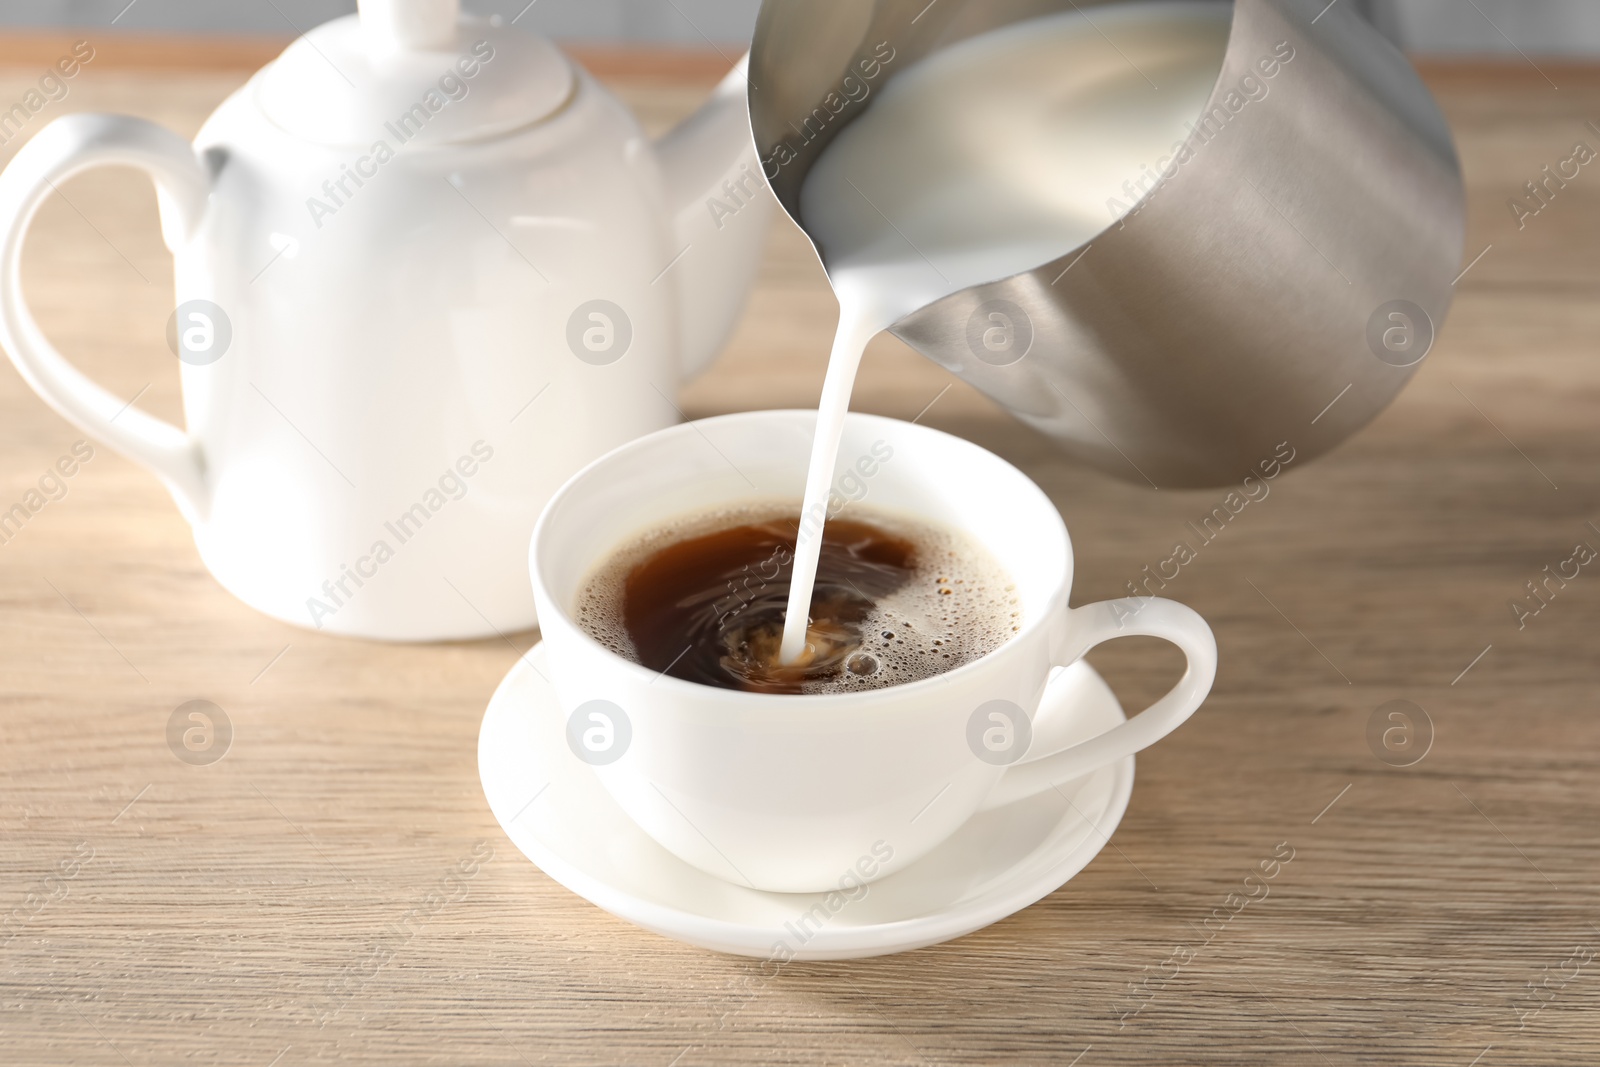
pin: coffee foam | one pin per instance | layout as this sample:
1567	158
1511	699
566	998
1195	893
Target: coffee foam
958	606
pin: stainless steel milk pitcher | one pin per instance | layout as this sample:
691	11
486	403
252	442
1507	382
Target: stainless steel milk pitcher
1280	284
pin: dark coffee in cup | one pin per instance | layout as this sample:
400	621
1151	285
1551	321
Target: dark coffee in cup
896	600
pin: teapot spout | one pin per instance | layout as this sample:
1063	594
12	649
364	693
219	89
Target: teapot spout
721	210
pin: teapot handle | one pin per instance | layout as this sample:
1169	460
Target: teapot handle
66	147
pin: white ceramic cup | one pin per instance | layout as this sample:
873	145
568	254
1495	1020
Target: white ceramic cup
814	793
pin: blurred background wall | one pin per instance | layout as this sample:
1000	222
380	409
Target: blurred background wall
1493	27
1465	27
686	22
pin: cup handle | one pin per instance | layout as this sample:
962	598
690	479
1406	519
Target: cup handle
64	148
1095	624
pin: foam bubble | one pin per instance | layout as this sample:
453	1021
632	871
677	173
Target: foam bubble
958	606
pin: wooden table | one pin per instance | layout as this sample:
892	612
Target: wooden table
1444	913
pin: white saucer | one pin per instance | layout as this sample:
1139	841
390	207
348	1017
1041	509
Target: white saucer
555	810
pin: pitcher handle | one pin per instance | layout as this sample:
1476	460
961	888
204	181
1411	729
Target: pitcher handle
67	147
1096	624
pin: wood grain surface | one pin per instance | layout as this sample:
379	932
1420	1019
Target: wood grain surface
254	911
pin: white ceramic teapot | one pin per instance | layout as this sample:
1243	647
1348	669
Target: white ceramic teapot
426	269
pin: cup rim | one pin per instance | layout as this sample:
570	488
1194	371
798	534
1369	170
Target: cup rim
813	702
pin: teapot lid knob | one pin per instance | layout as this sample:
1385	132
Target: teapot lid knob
406	25
416	71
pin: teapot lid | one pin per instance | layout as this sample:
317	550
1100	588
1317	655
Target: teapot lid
412	71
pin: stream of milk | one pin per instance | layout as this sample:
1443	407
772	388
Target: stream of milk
991	158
